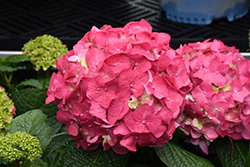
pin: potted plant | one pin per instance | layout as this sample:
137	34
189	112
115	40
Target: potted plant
203	12
123	97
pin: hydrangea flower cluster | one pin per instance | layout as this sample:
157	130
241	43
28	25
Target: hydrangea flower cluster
44	51
122	87
19	145
125	88
219	102
7	109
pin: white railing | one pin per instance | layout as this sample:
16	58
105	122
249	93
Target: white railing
8	53
5	54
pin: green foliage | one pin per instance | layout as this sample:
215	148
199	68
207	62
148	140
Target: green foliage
6	110
247	160
16	59
19	145
44	51
8	66
62	151
38	162
11	63
173	155
35	123
29	99
30	82
34	98
233	153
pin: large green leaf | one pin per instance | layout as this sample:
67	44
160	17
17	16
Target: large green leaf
62	151
34	98
31	98
6	68
38	162
50	110
17	58
232	154
247	162
30	82
54	124
3	161
35	123
44	81
10	63
174	156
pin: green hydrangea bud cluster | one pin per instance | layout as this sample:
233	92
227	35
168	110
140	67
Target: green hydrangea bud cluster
44	51
7	109
19	145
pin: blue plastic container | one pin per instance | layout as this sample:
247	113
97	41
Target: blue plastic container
203	11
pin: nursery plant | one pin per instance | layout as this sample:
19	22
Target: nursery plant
122	97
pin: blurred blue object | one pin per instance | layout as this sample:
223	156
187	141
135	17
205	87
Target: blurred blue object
203	12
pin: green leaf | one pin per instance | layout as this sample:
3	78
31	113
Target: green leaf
229	156
38	162
17	58
6	68
50	110
35	123
173	155
30	82
247	162
33	98
44	82
55	125
29	99
3	161
62	151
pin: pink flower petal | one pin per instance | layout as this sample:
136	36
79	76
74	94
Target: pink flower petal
118	62
72	129
94	59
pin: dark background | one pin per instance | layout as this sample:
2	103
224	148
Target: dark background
21	20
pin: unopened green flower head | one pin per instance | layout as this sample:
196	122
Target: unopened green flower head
19	145
44	51
7	109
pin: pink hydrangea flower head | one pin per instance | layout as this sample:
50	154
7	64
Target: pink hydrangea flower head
120	87
218	102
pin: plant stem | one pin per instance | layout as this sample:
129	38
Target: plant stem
17	161
8	81
47	73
